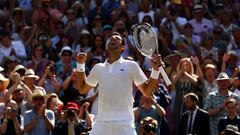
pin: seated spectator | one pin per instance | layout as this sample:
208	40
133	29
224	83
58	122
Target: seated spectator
9	47
38	120
71	124
232	118
12	122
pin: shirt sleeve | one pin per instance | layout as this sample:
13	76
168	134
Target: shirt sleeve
51	117
138	75
92	78
208	103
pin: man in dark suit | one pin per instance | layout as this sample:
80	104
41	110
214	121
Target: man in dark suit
194	121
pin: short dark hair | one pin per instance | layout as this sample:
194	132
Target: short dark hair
118	34
192	96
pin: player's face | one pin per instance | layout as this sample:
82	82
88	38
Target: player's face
115	43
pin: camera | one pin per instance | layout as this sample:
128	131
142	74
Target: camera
150	128
13	110
70	113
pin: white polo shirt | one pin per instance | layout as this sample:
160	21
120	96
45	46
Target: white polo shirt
115	89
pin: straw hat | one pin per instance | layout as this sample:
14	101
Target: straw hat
175	53
222	76
37	93
4	80
232	128
30	74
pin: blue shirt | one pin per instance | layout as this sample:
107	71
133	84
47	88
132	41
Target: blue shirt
40	128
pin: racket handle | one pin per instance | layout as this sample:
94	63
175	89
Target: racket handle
165	77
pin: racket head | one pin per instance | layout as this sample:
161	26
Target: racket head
145	39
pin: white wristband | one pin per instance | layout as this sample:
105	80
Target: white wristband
80	67
155	74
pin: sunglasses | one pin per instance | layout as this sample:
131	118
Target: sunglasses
66	54
38	99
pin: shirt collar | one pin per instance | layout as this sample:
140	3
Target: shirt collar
120	60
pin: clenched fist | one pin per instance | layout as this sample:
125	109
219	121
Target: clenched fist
81	57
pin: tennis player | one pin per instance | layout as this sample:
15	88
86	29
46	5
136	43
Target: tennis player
114	78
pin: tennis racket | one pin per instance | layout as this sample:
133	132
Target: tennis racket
146	42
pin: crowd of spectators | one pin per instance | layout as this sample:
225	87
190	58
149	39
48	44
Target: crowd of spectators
199	41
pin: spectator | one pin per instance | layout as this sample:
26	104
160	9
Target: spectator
215	101
195	120
209	83
50	81
148	126
207	51
232	118
65	65
200	24
3	88
38	120
30	79
9	47
230	130
20	93
12	122
70	88
71	124
185	81
148	108
38	61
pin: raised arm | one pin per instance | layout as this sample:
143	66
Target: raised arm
82	86
148	87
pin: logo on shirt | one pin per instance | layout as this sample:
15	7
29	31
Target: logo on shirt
122	69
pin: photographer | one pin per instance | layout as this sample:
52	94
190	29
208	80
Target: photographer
71	124
148	126
49	80
11	123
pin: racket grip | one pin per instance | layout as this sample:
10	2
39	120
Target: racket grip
165	77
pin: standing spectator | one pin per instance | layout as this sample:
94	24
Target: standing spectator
9	47
71	124
214	103
69	87
148	108
66	63
38	61
196	120
12	122
116	100
38	120
185	81
50	81
232	118
209	83
200	24
30	79
174	22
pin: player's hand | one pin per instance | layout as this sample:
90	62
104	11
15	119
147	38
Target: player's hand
156	62
81	57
